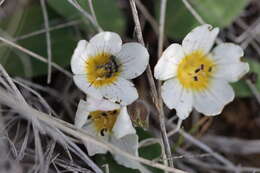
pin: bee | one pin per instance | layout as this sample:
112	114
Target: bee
110	67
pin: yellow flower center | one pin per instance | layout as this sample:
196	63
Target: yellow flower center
195	71
103	120
102	69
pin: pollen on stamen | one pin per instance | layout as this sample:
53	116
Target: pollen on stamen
191	71
104	121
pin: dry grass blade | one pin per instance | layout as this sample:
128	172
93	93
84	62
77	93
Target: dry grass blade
75	4
148	16
48	38
232	145
42	31
49	124
204	147
158	103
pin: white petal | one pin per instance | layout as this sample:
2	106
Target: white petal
81	114
213	100
229	65
123	125
122	91
94	104
167	65
133	58
108	42
91	147
79	57
129	144
85	86
200	38
175	96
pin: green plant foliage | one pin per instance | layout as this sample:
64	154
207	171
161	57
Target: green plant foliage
63	44
108	160
221	13
63	40
108	13
150	152
241	88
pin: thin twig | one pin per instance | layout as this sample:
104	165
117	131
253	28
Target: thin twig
1	2
211	166
193	12
141	40
163	6
178	127
138	28
24	109
38	57
60	26
161	27
48	39
90	3
254	90
149	141
75	4
148	16
152	84
204	147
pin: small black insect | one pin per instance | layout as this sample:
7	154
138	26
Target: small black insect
202	66
104	114
197	70
102	132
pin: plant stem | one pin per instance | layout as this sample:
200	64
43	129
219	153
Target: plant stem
156	99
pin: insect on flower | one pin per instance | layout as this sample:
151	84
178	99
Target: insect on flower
103	67
109	122
196	77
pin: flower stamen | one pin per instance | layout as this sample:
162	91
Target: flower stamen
103	121
195	71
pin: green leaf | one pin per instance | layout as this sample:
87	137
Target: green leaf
63	44
107	159
149	152
179	20
108	13
221	13
241	88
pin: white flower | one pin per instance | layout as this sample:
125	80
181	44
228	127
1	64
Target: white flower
196	77
103	67
109	122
